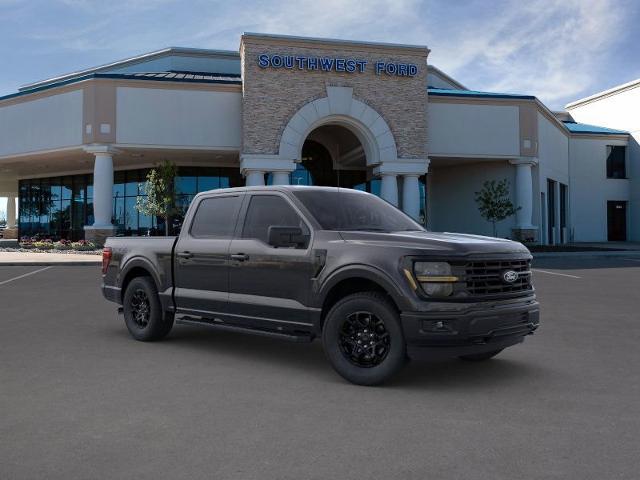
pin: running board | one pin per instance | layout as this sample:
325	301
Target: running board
187	320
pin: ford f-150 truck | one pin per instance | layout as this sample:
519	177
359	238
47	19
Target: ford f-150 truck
304	262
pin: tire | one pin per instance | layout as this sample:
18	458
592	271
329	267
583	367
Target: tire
480	357
347	322
143	314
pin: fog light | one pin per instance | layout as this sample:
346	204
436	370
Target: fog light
438	326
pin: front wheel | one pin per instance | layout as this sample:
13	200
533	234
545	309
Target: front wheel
143	314
363	340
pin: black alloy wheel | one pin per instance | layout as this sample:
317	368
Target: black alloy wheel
140	308
364	340
143	313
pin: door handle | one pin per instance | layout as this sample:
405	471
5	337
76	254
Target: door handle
184	255
240	257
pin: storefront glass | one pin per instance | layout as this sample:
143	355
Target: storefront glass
60	207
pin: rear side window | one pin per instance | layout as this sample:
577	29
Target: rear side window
270	210
215	217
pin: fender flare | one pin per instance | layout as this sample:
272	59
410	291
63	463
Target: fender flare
139	262
367	272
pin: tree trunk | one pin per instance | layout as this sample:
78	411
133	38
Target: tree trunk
495	229
166	226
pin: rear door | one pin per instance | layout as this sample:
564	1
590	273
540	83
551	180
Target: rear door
202	256
269	287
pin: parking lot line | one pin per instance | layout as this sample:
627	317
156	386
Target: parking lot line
25	275
555	273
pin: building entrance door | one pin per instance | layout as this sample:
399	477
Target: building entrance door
617	221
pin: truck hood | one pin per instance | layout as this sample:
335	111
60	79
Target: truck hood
436	243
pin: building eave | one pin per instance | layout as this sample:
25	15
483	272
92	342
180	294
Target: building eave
603	94
131	61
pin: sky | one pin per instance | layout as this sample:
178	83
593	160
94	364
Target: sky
558	50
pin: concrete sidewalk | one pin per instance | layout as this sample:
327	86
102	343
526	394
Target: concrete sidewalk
37	259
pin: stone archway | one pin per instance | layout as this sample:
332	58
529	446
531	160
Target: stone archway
340	108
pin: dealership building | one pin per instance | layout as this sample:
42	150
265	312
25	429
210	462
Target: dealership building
75	149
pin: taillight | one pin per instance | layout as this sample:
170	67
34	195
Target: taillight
106	259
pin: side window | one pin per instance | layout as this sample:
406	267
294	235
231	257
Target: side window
215	217
270	210
616	161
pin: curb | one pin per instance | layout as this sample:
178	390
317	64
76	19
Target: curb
50	264
597	254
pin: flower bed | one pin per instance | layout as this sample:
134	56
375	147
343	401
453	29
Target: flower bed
40	245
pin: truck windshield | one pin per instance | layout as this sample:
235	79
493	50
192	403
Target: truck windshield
346	209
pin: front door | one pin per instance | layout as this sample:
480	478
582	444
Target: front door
268	286
202	256
617	221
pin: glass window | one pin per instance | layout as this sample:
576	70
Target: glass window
67	188
208	183
269	210
131	183
118	184
216	217
186	185
352	210
616	161
130	216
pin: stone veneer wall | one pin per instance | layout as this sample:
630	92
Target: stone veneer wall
271	96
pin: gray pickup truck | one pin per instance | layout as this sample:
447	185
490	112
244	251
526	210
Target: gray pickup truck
303	262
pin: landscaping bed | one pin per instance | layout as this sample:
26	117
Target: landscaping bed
51	246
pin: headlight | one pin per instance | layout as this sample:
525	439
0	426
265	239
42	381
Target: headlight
435	278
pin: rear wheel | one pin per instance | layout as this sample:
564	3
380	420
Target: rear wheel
363	340
480	357
143	314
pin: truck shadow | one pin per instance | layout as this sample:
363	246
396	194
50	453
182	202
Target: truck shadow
309	360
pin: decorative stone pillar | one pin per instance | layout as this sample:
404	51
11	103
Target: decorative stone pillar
411	195
524	230
389	188
280	178
102	194
254	178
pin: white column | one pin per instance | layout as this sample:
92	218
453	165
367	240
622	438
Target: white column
389	188
280	178
524	192
254	178
102	190
411	196
11	212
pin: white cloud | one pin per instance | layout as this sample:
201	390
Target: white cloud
555	50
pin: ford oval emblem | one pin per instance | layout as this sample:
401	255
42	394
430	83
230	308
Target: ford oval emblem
509	276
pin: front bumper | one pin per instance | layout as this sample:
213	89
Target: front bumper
479	328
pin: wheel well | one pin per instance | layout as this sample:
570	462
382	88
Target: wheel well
131	274
349	286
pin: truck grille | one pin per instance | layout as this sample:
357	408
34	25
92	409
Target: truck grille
486	277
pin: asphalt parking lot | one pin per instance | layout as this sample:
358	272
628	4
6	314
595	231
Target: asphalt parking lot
80	399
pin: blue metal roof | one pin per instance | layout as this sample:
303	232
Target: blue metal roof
445	92
188	77
575	127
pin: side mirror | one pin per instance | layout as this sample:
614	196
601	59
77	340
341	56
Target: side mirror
286	236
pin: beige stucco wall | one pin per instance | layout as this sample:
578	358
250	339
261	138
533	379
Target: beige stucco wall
272	96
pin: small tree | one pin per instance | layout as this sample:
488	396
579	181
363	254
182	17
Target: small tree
160	200
494	203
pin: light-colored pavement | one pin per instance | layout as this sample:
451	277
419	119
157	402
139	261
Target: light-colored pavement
80	399
33	258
